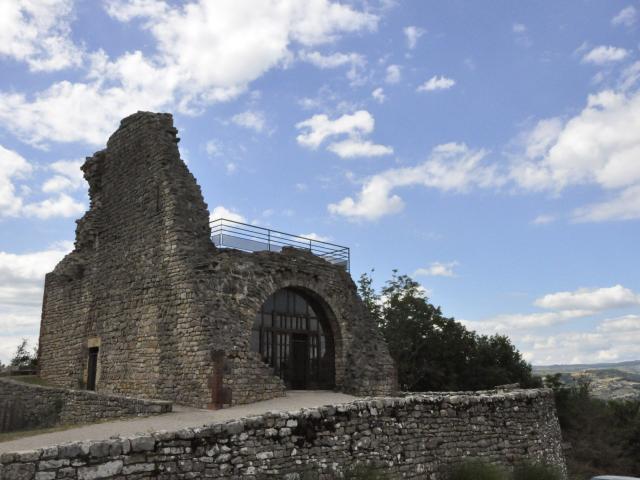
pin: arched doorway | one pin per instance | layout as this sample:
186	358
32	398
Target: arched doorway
294	337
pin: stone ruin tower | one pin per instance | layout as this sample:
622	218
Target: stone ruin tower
146	305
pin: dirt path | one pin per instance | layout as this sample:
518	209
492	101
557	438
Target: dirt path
181	417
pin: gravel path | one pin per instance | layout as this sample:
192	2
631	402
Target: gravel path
181	417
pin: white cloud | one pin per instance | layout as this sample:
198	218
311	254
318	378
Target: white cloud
413	34
626	323
126	11
604	54
436	83
319	127
223	212
253	120
518	28
598	146
12	166
356	62
521	33
624	206
38	33
393	74
378	95
451	167
612	338
21	291
57	183
204	53
334	60
581	347
627	16
630	77
354	147
315	236
592	299
524	321
213	148
68	176
543	219
437	269
61	206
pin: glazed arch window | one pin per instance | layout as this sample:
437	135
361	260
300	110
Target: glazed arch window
292	335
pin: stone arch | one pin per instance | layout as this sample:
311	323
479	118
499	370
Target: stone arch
324	306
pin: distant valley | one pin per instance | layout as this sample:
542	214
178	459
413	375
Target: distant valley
608	380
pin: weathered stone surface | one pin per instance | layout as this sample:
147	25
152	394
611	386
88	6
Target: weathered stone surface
104	470
142	444
25	406
146	286
409	437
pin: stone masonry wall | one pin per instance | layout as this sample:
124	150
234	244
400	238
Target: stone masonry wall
418	436
146	285
25	406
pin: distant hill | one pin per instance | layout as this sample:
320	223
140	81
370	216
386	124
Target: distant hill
633	366
608	380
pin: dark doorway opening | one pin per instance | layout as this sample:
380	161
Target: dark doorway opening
299	357
93	368
293	336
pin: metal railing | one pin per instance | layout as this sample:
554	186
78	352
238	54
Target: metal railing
227	233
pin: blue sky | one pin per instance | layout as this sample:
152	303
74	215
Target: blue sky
489	149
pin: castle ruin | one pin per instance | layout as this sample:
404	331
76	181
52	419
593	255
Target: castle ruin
146	305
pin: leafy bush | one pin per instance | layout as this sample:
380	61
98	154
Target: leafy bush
536	471
477	470
23	358
604	434
434	352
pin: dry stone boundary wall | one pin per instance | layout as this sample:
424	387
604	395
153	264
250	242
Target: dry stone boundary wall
418	436
24	406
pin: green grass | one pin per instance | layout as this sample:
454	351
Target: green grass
477	470
536	471
481	470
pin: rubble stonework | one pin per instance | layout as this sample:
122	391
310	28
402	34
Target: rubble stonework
420	436
166	309
24	406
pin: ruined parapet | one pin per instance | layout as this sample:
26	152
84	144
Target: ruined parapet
421	436
145	299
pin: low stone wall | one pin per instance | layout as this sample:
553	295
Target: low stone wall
418	436
24	406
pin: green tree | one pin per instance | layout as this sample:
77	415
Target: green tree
434	352
23	358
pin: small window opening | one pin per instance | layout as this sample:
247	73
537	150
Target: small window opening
93	368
